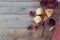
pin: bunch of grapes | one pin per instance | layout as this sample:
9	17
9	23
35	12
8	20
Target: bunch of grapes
49	3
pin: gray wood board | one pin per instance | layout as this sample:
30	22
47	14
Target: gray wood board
16	8
19	0
14	17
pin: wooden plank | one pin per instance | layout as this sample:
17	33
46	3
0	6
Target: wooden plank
21	8
15	21
17	8
22	34
14	18
19	0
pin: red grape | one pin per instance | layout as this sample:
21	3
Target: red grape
35	27
52	5
43	2
30	27
32	13
51	22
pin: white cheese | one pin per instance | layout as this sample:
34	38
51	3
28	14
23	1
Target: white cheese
39	11
37	19
49	12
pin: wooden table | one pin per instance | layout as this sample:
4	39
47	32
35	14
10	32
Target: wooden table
14	16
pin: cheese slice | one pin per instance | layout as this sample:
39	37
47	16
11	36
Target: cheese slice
37	19
49	12
39	11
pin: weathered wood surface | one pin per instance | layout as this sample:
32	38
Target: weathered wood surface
14	18
19	0
18	8
15	14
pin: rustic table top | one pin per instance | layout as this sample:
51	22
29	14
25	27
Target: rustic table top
14	18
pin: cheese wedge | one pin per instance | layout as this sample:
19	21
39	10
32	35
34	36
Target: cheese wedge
39	11
49	12
37	19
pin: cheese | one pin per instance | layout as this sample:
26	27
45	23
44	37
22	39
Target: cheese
37	19
39	11
49	12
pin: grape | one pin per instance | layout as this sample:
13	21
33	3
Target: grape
51	5
43	2
51	22
32	13
30	27
36	27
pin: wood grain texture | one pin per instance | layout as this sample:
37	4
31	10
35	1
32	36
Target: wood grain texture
15	21
17	8
14	18
16	14
19	0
